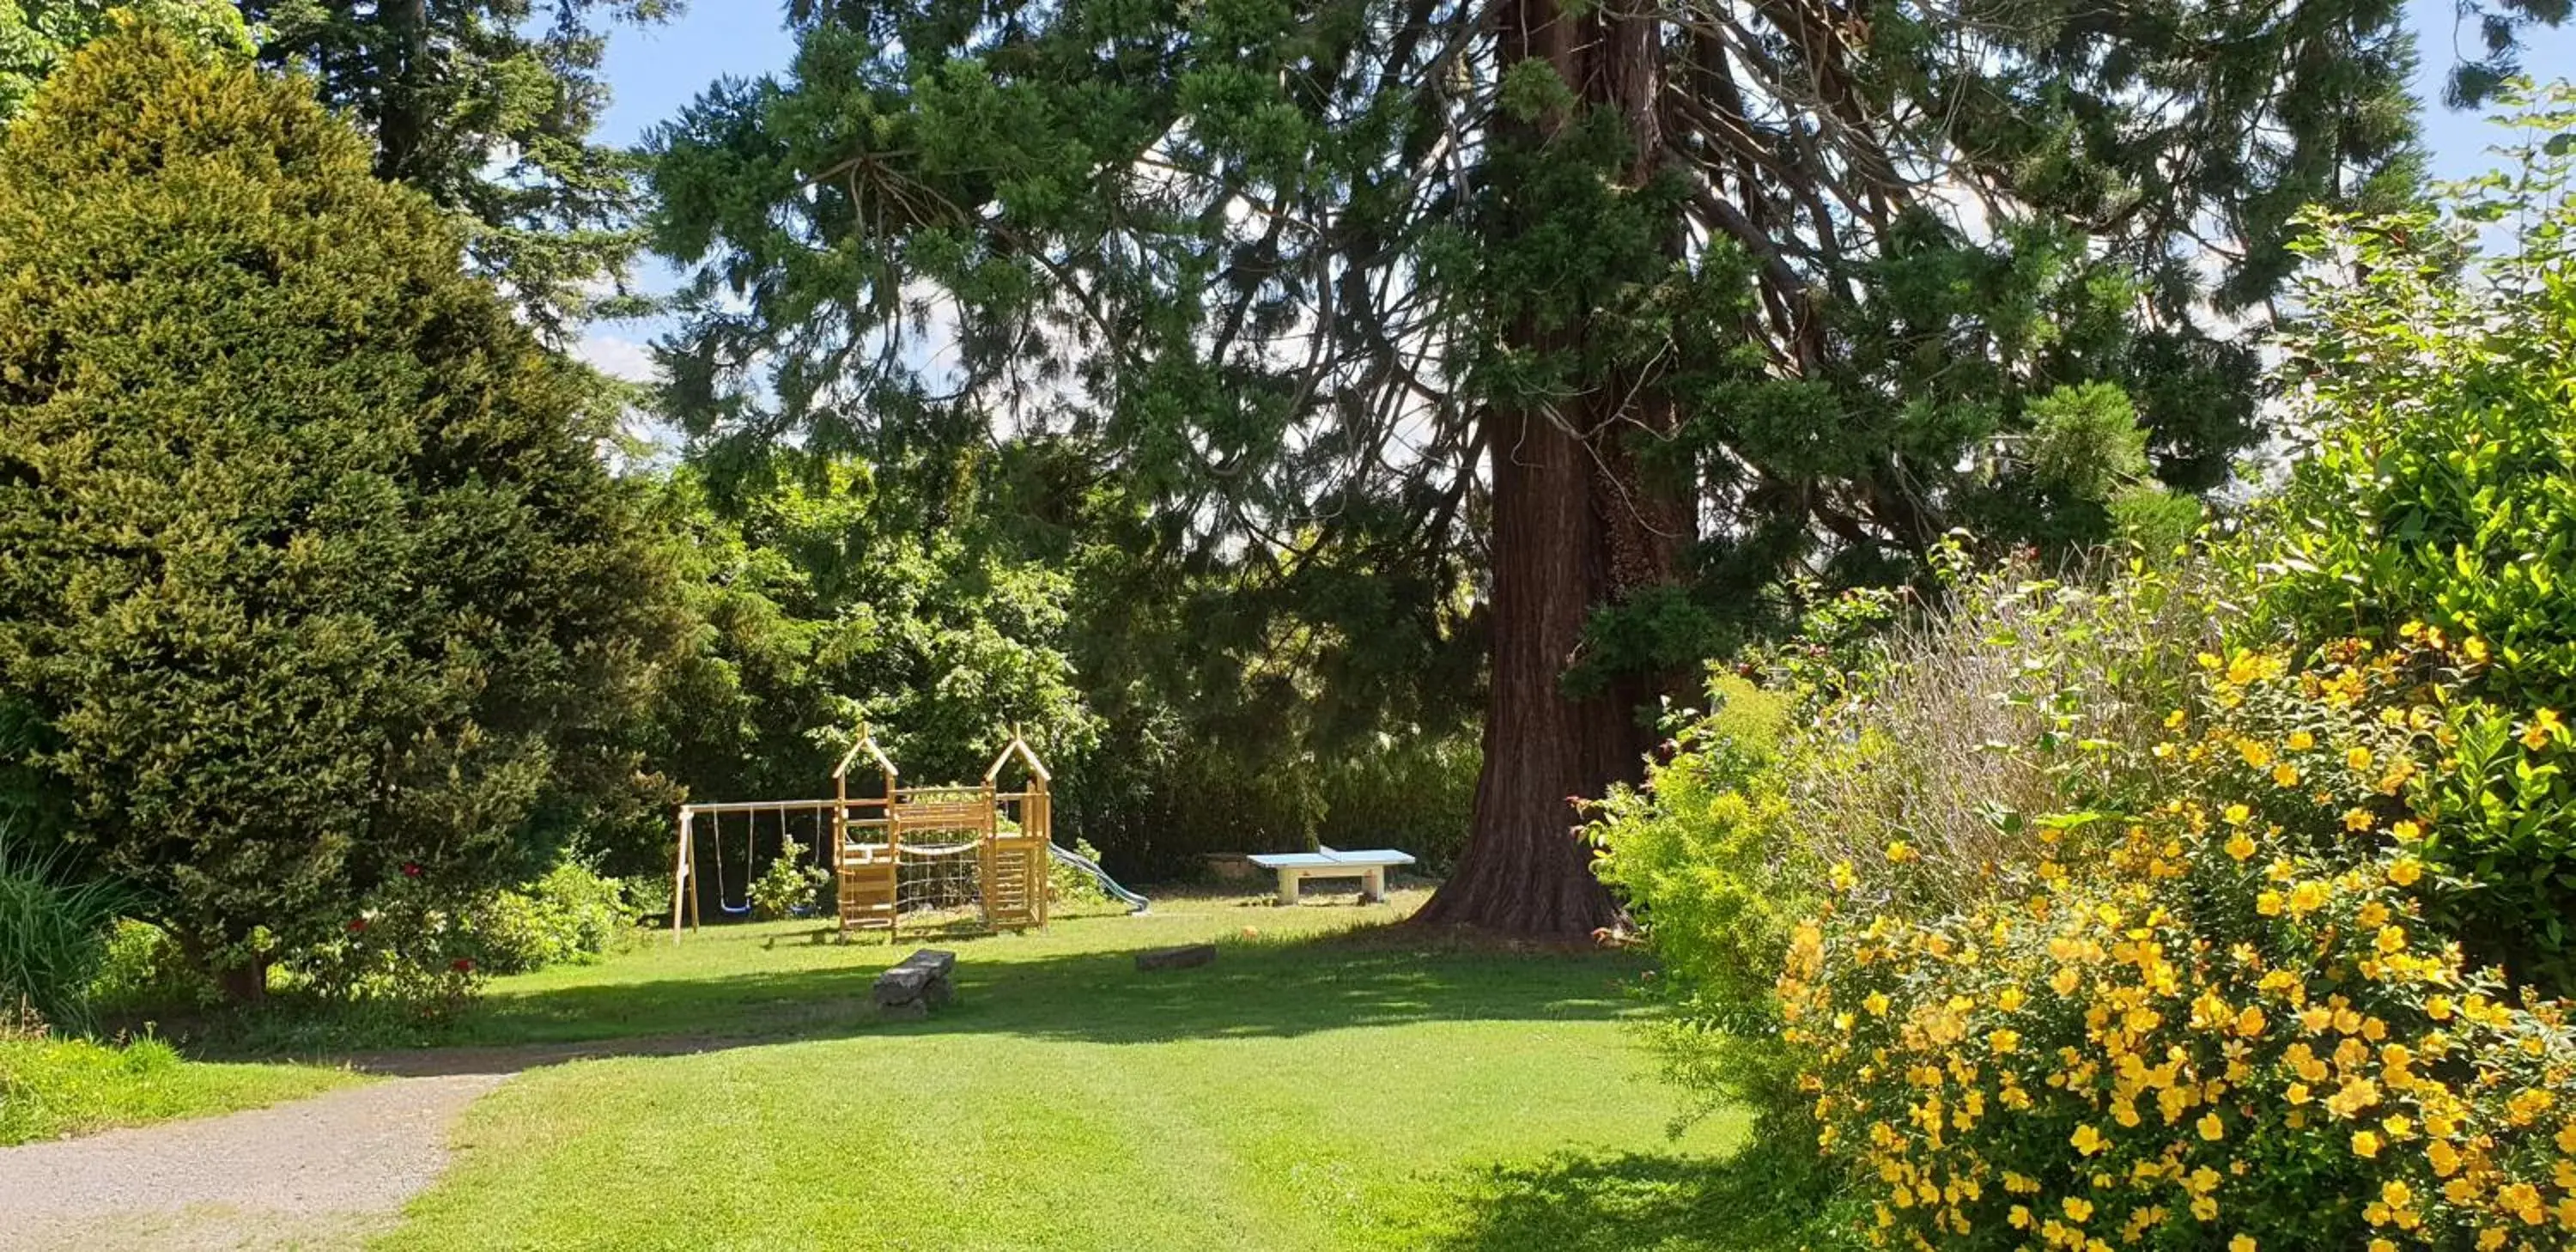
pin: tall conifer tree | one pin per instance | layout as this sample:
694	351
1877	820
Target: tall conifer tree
1632	317
312	578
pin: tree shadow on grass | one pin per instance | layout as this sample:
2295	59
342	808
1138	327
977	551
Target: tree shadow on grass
1256	989
1632	1202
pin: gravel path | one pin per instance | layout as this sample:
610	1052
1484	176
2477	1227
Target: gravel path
318	1173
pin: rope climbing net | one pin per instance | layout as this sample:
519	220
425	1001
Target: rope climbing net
938	878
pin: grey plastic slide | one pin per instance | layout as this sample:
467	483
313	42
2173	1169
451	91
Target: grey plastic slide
1134	902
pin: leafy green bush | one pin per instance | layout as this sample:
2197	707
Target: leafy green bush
53	934
1711	869
571	915
2440	502
1415	792
789	886
647	897
1067	885
144	973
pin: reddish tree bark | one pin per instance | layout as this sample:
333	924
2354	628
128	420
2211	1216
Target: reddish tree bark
1575	524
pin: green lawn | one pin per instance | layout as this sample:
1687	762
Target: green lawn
1319	1087
55	1087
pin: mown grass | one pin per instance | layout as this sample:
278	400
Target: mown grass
55	1087
1326	1084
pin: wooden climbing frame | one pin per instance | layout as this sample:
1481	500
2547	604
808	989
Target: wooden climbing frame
1009	832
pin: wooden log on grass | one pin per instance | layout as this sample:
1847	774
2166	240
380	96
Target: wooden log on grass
1189	957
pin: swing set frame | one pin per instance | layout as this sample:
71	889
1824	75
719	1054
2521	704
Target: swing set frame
1012	831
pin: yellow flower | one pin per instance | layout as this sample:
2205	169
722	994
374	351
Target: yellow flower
2476	648
2365	1143
2285	775
2087	1140
2077	1208
2445	1158
2003	1041
2405	870
2065	981
1900	852
2358	760
2543	724
2241	1243
2357	819
2238	814
1876	1004
2210	1127
1842	876
2301	741
2256	753
2268	904
2406	831
2240	846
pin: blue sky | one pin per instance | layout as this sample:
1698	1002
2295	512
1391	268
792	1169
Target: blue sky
655	72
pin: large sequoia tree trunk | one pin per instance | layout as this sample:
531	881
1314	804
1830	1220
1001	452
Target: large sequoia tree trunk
1575	524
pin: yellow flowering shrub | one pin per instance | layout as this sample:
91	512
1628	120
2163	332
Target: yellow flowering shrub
2211	1014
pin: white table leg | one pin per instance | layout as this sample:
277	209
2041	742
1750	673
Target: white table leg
1373	886
1288	879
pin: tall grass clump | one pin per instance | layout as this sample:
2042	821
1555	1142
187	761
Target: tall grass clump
53	934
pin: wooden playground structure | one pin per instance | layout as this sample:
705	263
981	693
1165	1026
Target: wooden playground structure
916	847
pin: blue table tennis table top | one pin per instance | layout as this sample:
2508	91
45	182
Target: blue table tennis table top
1328	857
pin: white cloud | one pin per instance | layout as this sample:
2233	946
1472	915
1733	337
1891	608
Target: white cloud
618	358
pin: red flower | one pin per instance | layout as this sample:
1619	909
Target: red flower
411	869
357	924
462	965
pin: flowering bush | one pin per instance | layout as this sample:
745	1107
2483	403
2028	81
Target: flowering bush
2217	1019
408	946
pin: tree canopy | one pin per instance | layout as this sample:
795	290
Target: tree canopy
1630	321
487	107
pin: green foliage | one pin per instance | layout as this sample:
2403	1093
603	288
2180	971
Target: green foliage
788	886
1414	792
570	915
1067	885
53	936
35	35
2439	503
1162	239
50	1088
315	582
647	897
1707	858
144	976
826	596
486	107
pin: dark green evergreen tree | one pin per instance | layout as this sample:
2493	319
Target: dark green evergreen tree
1628	319
311	575
486	106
